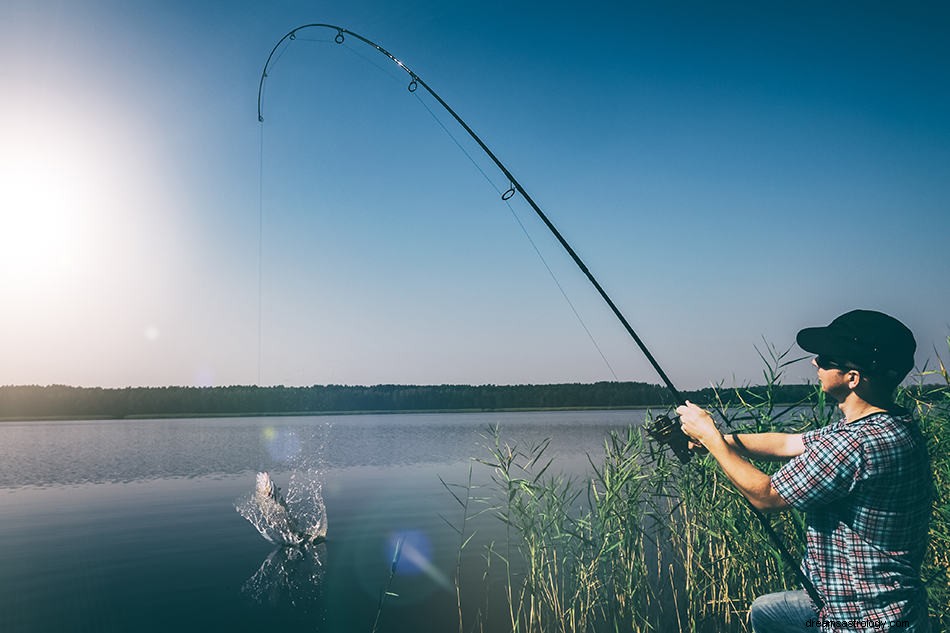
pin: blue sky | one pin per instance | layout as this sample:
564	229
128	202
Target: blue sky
730	173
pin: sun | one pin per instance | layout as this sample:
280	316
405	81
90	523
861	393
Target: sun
44	197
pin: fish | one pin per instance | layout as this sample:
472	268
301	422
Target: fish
267	489
279	524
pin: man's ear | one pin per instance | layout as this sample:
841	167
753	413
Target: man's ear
854	378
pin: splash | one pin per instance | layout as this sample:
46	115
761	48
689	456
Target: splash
296	519
291	575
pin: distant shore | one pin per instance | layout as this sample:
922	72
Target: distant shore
302	414
58	402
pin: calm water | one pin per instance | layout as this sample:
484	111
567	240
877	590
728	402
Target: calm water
131	525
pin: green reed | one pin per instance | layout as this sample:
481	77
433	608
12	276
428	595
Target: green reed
648	544
572	553
931	402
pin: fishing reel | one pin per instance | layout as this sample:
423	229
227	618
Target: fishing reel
667	432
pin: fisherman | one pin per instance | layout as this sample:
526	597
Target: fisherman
864	482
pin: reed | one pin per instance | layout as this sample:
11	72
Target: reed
572	555
931	401
648	544
387	591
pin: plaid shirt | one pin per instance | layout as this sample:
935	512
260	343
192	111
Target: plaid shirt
866	487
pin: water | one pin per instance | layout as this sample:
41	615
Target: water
132	525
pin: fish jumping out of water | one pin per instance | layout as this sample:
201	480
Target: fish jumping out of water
267	489
274	518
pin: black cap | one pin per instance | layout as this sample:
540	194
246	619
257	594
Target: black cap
865	339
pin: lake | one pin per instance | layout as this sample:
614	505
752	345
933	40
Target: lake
125	525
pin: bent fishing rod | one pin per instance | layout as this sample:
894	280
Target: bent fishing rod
664	430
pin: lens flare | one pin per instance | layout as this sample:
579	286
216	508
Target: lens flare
415	556
282	445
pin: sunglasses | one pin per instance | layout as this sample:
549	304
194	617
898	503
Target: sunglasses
828	363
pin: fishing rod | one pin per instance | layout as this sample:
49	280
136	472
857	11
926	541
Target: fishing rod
664	430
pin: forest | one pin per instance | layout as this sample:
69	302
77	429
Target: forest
59	401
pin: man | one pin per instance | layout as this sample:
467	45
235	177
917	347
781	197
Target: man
864	482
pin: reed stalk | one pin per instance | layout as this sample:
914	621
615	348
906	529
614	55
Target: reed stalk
387	591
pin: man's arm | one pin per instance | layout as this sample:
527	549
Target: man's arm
768	446
755	485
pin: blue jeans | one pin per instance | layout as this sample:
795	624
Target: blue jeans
782	612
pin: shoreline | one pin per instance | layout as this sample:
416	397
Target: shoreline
301	414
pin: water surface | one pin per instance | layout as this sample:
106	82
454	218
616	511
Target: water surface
131	525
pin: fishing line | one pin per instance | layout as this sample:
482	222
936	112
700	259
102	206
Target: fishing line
260	242
260	223
524	230
260	259
670	427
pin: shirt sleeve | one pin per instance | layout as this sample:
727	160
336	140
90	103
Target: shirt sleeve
828	470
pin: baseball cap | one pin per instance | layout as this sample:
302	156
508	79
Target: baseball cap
868	340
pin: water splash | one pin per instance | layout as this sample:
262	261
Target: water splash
291	575
299	516
296	519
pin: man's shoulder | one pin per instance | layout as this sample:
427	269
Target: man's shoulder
893	421
883	426
889	440
890	432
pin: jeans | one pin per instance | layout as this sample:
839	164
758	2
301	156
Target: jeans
782	612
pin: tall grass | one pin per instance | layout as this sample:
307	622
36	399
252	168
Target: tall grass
566	569
648	544
932	405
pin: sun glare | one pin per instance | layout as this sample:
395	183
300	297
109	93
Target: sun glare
45	195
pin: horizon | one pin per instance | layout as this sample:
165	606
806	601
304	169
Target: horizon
445	384
908	382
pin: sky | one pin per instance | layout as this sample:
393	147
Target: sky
730	173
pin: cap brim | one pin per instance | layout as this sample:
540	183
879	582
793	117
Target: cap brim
818	340
825	341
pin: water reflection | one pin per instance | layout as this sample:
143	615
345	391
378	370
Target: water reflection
290	576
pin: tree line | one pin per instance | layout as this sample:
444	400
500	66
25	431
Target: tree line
59	401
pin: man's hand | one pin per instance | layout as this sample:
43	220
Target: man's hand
755	485
697	424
